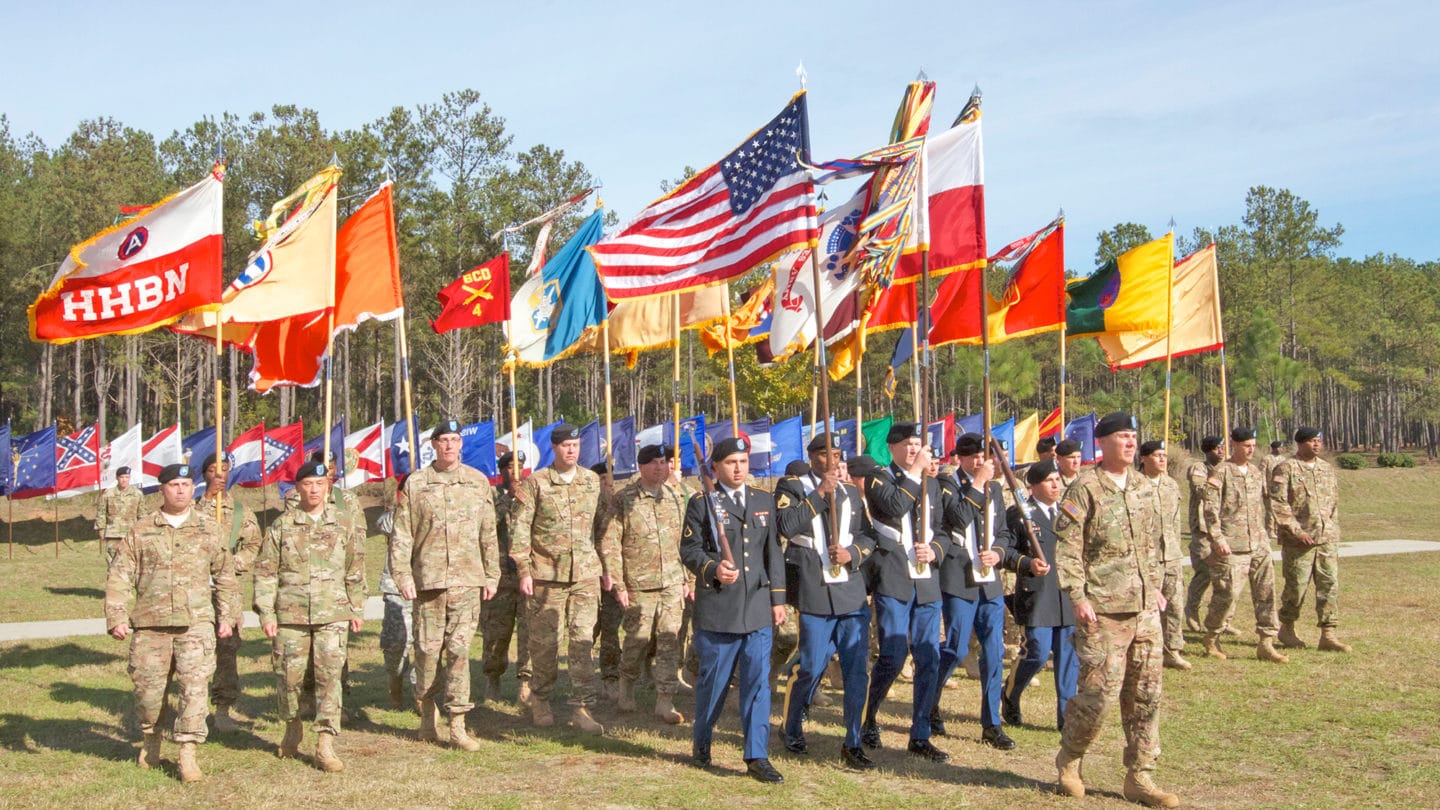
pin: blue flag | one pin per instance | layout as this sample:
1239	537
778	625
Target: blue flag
7	461
974	423
844	429
542	441
478	448
787	444
34	457
196	448
1005	434
623	435
758	432
664	433
398	447
1082	429
337	446
592	444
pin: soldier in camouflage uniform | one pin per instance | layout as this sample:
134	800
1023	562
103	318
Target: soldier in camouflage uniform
649	514
170	577
444	558
504	616
1108	557
553	545
396	630
120	507
1196	475
241	535
1268	464
1237	547
310	595
1304	499
611	614
1156	464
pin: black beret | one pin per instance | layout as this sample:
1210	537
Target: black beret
1277	444
969	444
209	462
564	433
173	471
1039	471
650	452
797	467
823	441
902	431
1242	434
1114	423
1305	434
1210	443
1146	448
599	468
729	447
1068	447
507	457
861	466
312	469
445	426
123	471
1045	445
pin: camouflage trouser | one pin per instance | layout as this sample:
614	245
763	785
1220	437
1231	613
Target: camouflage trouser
1300	565
654	615
1120	657
225	688
690	658
607	635
1172	618
1199	580
785	641
291	656
1228	576
502	618
445	622
575	605
396	636
192	652
112	548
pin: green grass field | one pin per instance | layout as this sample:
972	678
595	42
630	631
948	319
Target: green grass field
1324	731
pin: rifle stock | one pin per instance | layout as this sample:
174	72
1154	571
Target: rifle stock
1021	499
707	486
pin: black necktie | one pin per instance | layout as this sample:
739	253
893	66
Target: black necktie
735	499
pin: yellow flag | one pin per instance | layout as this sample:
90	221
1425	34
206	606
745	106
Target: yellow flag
1127	294
1196	318
1027	435
649	323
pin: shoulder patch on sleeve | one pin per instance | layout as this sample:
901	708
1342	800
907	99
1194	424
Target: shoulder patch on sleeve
783	502
688	531
1213	481
1279	479
1069	508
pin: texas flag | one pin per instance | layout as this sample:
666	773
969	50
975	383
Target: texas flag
364	456
77	462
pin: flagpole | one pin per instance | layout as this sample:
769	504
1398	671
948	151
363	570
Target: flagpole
219	378
607	456
834	499
1224	376
915	351
859	391
56	501
514	413
922	392
730	359
414	440
1063	324
675	383
987	415
1169	328
815	375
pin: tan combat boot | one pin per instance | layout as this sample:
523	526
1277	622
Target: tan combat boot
1212	646
523	696
397	692
150	751
1287	637
459	737
821	699
1192	623
325	758
429	718
540	713
1069	783
290	743
625	695
1173	660
1265	651
834	675
1139	788
665	710
972	667
582	720
189	769
1330	643
222	721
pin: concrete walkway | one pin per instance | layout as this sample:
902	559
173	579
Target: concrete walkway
375	609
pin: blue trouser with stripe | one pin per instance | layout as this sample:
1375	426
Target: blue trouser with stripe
821	637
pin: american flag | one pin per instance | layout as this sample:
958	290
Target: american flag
753	204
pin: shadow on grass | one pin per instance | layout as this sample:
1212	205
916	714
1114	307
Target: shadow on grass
88	593
38	532
29	735
101	697
24	656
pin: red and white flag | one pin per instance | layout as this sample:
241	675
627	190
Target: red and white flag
365	456
77	462
125	450
952	225
158	452
755	203
142	274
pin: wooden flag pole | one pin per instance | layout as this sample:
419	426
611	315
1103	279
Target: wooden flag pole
987	416
915	358
815	375
1169	328
833	502
607	457
1224	376
330	333
922	394
1063	324
56	502
219	383
730	359
675	385
859	387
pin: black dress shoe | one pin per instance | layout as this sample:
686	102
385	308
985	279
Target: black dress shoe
937	725
762	771
1010	712
700	757
855	759
923	748
995	737
797	745
870	735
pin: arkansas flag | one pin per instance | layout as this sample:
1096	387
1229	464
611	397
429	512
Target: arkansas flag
478	296
77	462
141	274
284	452
365	456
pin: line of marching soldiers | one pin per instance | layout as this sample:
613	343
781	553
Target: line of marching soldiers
902	547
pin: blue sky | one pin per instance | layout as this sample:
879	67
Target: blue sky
1117	111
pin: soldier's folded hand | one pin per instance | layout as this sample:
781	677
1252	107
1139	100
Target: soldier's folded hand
923	553
840	555
622	597
269	629
1039	567
121	631
990	558
727	573
224	631
356	624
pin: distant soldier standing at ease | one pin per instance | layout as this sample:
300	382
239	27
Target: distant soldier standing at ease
1156	464
1109	561
503	617
168	578
120	507
310	594
1304	499
1067	461
444	558
1195	476
240	534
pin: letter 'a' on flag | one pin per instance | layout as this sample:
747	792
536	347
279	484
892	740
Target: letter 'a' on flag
1195	325
479	296
1130	293
746	209
141	274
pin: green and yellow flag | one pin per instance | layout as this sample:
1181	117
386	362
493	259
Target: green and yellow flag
1129	293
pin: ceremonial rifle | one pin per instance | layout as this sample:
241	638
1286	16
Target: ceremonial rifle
1022	500
715	512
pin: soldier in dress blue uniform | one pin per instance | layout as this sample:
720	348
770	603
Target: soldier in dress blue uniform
976	606
1040	606
829	591
736	603
905	581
